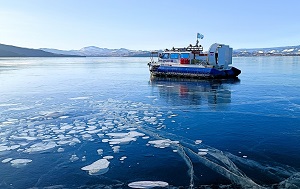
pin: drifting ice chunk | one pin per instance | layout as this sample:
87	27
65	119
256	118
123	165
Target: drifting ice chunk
122	135
98	167
74	158
108	157
198	141
162	143
202	153
20	162
123	158
7	148
72	132
117	135
23	138
80	98
203	150
116	149
39	147
148	184
74	141
100	151
132	112
63	117
87	137
135	134
121	140
90	128
66	127
60	150
150	96
6	160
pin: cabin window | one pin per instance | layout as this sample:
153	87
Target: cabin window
165	56
184	55
174	55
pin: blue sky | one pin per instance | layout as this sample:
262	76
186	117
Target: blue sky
148	24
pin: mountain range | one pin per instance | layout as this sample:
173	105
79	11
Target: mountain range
13	51
93	51
96	51
273	51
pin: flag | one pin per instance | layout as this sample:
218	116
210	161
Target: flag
200	36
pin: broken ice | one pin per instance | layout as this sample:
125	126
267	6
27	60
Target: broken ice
98	167
148	184
18	163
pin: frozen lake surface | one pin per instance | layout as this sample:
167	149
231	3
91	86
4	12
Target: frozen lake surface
103	122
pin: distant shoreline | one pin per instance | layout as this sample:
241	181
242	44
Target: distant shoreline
92	51
129	56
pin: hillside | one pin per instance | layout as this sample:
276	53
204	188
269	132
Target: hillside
13	51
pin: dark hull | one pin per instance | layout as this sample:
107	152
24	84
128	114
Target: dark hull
194	72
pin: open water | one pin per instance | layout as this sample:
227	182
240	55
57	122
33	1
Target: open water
103	122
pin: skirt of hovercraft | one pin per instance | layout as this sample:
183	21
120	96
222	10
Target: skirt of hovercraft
190	72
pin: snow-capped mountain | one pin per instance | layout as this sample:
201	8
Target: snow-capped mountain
280	51
97	51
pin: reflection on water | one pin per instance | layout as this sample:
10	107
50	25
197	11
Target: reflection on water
60	116
180	91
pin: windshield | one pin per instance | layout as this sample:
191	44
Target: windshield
164	56
184	55
174	55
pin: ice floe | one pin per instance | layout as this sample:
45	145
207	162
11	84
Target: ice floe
202	153
116	149
7	148
108	157
163	143
87	137
18	163
80	98
29	138
74	158
40	147
151	96
148	184
203	150
63	117
98	167
60	150
100	151
198	141
122	138
6	160
115	123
